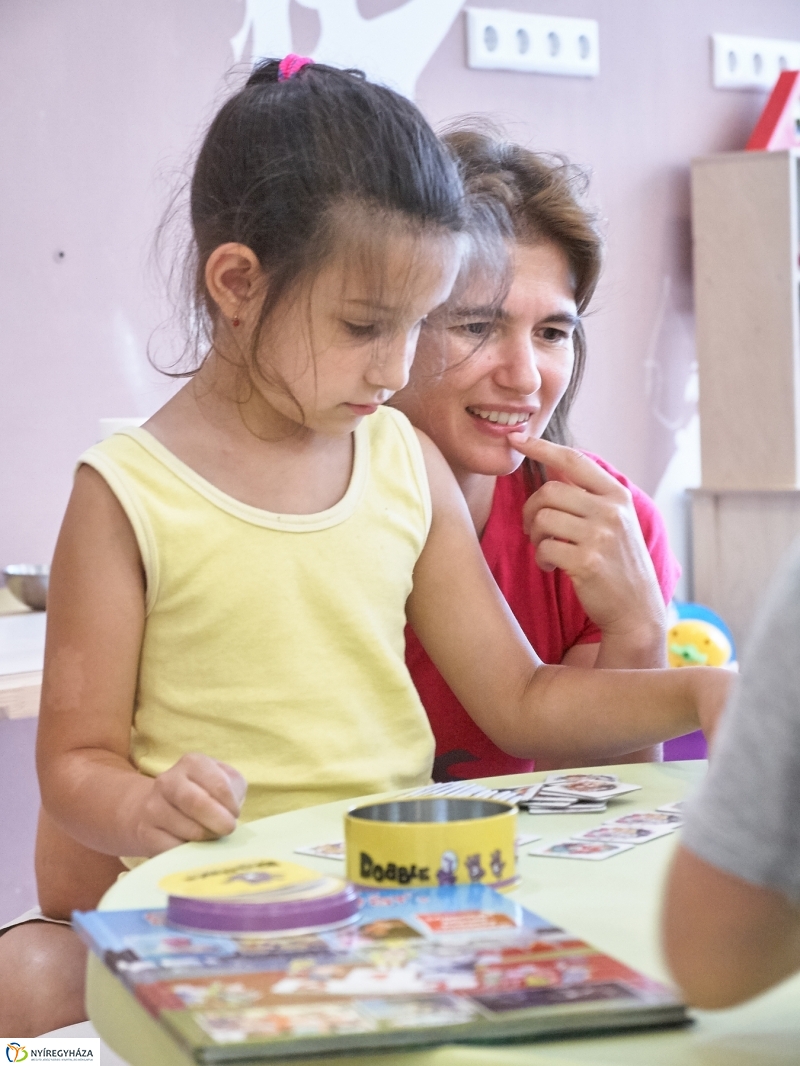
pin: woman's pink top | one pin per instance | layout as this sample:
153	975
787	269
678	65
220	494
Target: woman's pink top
546	607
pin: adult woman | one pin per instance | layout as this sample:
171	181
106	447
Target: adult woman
583	561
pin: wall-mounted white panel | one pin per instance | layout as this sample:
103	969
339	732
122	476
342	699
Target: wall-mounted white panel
751	62
545	44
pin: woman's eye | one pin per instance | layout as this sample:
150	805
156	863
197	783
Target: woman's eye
475	329
553	335
360	330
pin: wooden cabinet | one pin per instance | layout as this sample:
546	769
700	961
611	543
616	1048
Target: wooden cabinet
745	223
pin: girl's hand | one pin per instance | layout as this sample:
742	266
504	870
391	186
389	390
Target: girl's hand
199	798
584	522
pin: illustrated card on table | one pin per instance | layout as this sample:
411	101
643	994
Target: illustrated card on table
581	849
588	786
332	850
524	839
614	833
665	818
672	808
571	807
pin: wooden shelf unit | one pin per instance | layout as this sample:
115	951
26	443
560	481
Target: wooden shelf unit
746	231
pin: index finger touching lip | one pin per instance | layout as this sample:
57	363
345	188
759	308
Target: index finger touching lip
564	463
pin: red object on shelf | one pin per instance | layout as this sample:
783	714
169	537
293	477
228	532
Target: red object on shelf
779	125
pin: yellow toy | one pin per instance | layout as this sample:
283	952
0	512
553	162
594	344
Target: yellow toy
693	642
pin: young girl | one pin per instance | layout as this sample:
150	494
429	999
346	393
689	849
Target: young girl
231	583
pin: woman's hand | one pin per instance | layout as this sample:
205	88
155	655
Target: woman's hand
199	798
584	522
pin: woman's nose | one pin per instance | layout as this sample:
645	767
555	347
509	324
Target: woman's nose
517	367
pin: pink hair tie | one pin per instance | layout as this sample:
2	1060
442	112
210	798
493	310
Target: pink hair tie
291	64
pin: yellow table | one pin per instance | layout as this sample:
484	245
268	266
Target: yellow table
613	904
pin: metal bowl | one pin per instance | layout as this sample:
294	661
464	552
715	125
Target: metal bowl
28	584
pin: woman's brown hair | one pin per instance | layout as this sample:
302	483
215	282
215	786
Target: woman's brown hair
544	198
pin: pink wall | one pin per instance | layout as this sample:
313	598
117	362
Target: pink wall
103	100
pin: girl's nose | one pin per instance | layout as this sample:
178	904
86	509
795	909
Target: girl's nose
517	368
390	366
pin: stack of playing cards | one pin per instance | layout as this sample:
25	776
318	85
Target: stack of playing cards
617	835
473	790
575	794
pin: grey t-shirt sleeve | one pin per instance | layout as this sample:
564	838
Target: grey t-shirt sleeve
745	819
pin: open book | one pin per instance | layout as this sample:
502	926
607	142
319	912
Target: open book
429	966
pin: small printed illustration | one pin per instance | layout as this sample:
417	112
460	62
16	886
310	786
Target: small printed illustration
333	849
251	877
446	874
474	869
496	864
388	929
296	1019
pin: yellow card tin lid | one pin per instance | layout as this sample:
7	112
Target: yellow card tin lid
239	878
432	841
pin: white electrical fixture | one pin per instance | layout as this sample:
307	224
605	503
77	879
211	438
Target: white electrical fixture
751	62
546	44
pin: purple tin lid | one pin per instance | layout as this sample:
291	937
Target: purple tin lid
232	916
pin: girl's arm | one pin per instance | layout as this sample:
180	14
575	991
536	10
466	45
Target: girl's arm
96	617
528	709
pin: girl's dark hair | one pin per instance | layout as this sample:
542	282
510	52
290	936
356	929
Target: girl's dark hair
283	160
543	196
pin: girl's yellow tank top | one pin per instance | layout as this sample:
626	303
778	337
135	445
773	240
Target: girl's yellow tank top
275	642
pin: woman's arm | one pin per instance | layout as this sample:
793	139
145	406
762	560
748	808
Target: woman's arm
528	709
96	617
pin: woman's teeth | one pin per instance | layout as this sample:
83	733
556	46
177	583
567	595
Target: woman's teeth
501	417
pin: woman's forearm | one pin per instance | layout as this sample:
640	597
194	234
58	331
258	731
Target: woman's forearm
602	714
643	648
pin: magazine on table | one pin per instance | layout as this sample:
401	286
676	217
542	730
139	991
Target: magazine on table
448	965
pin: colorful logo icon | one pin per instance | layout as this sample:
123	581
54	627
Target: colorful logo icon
16	1052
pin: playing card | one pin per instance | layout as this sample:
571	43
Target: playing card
526	838
672	808
655	818
614	833
581	849
572	808
552	802
520	794
463	789
473	790
588	779
588	786
332	850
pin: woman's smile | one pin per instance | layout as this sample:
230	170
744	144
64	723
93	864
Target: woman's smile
503	373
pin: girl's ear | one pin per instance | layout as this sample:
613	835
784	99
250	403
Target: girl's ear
234	280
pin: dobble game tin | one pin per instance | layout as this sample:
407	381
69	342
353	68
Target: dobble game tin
422	843
261	896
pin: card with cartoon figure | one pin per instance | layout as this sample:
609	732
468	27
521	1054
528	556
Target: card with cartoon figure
614	833
334	849
592	850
